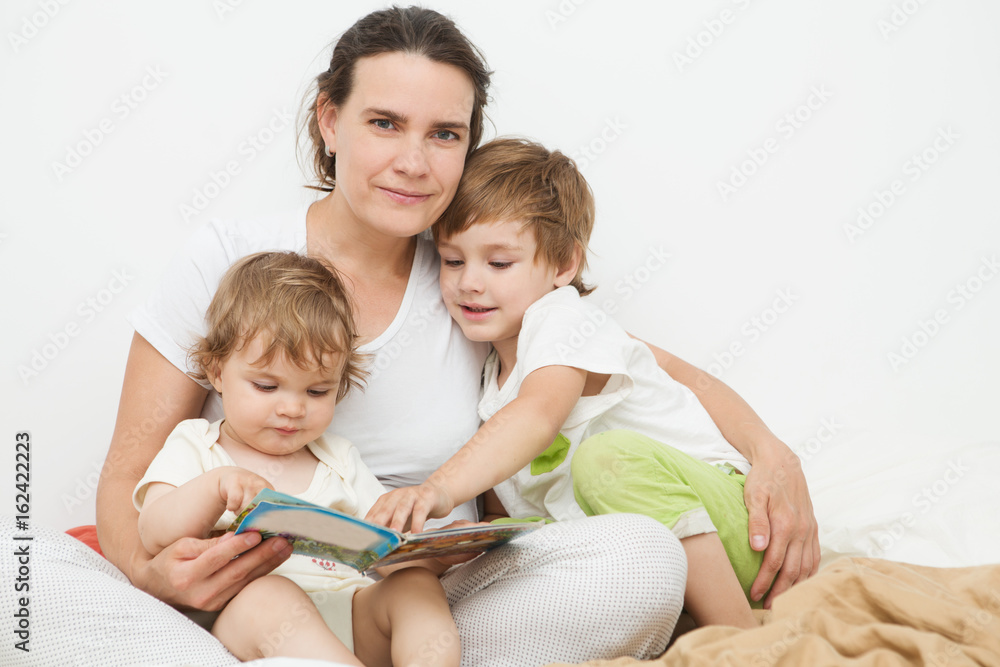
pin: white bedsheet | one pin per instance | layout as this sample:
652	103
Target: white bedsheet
906	498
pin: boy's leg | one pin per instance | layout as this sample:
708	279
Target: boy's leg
623	471
405	620
272	616
713	595
595	588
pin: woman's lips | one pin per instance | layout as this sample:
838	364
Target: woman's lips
405	196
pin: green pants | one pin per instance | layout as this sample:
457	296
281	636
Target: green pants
625	472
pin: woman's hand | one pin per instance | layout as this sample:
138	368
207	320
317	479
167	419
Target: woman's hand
206	574
411	506
188	572
782	524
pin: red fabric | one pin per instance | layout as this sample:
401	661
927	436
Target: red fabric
87	535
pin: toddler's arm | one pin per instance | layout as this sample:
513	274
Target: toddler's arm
507	442
191	510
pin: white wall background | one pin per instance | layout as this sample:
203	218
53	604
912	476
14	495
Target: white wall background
115	114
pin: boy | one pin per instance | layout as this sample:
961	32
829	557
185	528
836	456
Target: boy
280	351
579	419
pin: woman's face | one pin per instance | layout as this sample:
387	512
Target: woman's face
401	139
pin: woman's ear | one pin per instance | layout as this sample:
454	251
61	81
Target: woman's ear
326	118
566	274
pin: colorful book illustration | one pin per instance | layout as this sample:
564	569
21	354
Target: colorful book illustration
328	534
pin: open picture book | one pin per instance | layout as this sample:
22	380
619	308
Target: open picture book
324	533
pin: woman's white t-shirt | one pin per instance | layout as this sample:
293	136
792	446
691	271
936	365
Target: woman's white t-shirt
419	404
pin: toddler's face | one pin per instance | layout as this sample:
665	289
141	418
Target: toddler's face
275	408
489	277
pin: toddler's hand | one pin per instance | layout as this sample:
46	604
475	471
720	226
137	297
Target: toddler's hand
238	486
410	507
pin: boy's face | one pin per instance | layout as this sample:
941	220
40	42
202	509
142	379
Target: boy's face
489	277
275	408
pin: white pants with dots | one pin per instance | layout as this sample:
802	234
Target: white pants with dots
600	587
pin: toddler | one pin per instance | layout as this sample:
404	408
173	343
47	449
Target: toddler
280	350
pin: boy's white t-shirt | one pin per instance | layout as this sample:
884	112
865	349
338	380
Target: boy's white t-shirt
419	405
561	329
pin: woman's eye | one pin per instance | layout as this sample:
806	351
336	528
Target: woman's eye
446	135
382	123
264	387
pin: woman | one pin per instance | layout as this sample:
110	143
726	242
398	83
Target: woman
395	114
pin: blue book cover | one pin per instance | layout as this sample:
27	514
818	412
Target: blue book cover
327	534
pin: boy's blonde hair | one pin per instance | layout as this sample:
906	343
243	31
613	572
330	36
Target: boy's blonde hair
512	179
299	306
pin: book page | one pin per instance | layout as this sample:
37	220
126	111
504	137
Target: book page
455	541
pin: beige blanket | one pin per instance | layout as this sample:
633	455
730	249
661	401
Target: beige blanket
860	611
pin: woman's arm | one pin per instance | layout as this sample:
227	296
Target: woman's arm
156	396
507	442
781	513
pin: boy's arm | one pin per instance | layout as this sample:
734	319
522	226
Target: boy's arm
191	510
507	442
782	523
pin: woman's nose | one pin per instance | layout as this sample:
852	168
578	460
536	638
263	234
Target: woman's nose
412	159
